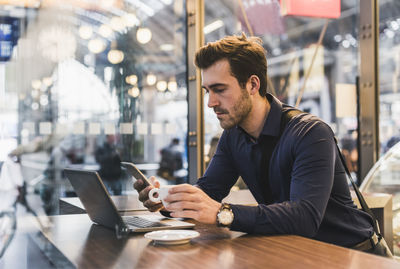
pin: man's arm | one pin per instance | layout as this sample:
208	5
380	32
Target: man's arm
202	202
311	183
221	173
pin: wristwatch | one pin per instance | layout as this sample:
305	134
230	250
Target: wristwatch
224	216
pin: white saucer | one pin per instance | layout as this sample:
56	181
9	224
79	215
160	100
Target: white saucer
172	237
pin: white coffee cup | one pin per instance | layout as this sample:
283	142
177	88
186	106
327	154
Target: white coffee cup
158	194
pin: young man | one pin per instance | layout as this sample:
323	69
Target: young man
301	187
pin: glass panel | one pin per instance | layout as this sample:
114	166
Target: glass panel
389	66
88	84
384	177
290	43
385	174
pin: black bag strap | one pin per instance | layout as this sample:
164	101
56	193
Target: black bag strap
286	117
360	197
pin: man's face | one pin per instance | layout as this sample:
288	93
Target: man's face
230	102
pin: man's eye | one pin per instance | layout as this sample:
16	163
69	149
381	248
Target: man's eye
218	90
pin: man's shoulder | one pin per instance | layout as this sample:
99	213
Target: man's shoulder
305	123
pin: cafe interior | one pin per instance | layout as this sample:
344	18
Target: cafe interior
142	103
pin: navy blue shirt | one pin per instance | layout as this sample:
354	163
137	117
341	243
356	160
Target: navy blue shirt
307	179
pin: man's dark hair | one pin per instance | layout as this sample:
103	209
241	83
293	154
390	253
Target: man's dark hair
246	57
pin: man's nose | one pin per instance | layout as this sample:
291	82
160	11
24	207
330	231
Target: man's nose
212	100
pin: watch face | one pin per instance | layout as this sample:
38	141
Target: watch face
225	217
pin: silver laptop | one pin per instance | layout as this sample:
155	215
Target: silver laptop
101	209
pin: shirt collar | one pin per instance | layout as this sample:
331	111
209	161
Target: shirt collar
272	124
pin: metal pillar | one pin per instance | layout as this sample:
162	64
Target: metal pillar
195	39
368	118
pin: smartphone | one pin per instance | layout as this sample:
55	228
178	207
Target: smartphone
136	173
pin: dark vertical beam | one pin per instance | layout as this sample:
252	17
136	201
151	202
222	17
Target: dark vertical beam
195	39
368	86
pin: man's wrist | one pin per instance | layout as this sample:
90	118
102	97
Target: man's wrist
225	215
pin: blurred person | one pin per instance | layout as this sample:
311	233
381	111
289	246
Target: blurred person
293	169
349	151
213	148
110	165
171	160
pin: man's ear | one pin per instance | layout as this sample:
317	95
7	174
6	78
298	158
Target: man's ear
254	84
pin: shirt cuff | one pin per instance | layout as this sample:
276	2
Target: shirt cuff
244	218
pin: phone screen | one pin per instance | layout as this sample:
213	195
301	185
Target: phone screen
136	173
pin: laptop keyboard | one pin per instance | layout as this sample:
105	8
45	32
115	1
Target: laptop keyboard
141	222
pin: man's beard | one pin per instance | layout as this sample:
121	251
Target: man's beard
239	111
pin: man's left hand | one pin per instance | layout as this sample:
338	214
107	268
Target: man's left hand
187	201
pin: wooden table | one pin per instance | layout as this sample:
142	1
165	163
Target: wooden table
86	245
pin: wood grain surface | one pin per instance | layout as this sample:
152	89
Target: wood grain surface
88	245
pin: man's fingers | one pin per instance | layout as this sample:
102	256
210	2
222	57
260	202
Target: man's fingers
182	205
138	185
144	194
154	181
152	206
184	188
182	196
185	214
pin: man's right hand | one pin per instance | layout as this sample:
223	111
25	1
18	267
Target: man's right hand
144	194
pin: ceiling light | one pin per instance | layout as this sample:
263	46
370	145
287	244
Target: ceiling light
337	38
48	81
172	86
35	106
151	79
134	92
132	79
143	35
117	23
213	26
105	31
96	46
85	31
130	19
36	84
161	85
346	43
115	56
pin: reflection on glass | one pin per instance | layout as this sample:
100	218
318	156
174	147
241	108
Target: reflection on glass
77	93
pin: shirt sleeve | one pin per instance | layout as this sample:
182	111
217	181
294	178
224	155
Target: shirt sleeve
220	175
311	182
